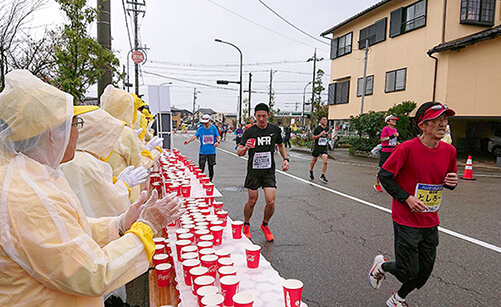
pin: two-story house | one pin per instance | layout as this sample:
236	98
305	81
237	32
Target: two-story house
428	50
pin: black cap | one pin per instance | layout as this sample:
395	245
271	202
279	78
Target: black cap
262	107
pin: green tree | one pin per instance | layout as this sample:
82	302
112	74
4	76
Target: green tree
273	110
404	124
317	107
80	59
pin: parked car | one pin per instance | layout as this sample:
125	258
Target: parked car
494	145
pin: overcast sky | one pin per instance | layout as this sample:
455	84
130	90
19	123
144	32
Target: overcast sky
180	36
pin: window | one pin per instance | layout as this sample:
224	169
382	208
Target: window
375	33
339	92
369	84
408	18
341	45
395	80
478	12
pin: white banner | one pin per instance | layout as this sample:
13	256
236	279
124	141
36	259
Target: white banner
159	98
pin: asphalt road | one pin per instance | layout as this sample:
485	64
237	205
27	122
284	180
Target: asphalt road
328	234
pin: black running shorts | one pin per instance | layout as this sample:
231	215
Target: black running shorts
211	159
318	151
265	180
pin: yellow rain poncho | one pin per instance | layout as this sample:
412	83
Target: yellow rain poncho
50	253
90	177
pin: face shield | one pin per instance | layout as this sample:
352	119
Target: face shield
99	134
35	119
119	104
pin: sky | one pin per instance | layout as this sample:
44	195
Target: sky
180	37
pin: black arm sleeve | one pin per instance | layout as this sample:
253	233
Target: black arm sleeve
449	187
391	186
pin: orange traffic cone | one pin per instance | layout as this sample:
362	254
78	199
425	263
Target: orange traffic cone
468	170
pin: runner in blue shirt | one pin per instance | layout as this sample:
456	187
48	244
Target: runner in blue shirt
209	140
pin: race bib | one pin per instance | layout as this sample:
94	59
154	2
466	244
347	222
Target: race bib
261	160
207	139
322	141
430	195
393	142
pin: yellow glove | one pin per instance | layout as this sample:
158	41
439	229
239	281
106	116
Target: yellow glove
145	234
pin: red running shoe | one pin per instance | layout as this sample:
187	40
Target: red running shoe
246	231
378	188
267	233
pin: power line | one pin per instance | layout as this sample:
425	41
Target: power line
259	25
292	25
127	24
228	64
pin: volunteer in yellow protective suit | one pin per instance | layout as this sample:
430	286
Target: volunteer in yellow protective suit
50	253
140	122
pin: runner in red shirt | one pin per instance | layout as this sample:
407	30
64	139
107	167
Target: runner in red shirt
415	175
389	137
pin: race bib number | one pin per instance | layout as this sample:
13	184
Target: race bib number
207	139
322	141
430	195
393	142
261	160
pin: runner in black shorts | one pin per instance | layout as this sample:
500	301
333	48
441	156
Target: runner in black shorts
320	135
260	141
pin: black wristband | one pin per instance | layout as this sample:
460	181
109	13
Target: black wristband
287	159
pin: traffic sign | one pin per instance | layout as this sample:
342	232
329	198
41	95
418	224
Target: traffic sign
138	57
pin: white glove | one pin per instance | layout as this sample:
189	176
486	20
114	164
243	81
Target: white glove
126	219
158	213
155	141
133	177
138	131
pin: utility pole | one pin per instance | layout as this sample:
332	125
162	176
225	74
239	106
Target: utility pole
104	39
313	83
136	11
270	91
194	100
365	76
250	83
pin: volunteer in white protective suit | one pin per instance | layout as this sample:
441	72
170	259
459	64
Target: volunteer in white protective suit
50	253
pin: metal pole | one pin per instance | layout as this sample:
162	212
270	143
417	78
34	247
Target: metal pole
104	39
136	47
302	113
313	83
365	76
271	83
241	89
250	83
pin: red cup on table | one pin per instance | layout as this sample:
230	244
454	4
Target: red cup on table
227	271
187	236
212	300
207	238
204	180
190	227
206	251
209	200
213	223
204	244
293	290
253	253
218	205
202	281
159	240
210	189
180	244
217	232
159	249
188	249
163	274
160	258
223	253
187	266
229	287
189	256
200	233
236	229
243	299
181	231
221	262
186	190
204	291
195	273
210	262
205	212
222	216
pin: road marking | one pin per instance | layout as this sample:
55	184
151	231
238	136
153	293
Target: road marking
444	230
487	175
298	156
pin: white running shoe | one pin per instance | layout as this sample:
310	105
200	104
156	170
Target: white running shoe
376	274
393	302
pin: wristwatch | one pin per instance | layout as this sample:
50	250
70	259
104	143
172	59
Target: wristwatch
287	159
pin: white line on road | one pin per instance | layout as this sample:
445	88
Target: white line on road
444	230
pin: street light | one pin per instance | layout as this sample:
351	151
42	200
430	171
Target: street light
240	82
304	92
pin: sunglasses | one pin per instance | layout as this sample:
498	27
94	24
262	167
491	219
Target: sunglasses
79	123
439	107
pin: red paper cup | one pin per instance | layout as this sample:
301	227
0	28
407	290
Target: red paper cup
190	227
210	262
227	271
293	289
203	281
185	190
223	253
218	205
253	143
200	233
236	229
204	291
189	256
204	244
188	249
243	299
209	200
222	216
217	232
159	249
204	180
207	238
212	300
221	262
253	253
187	266
163	274
205	212
195	273
206	251
229	287
187	236
181	231
215	223
210	189
160	258
180	244
159	240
